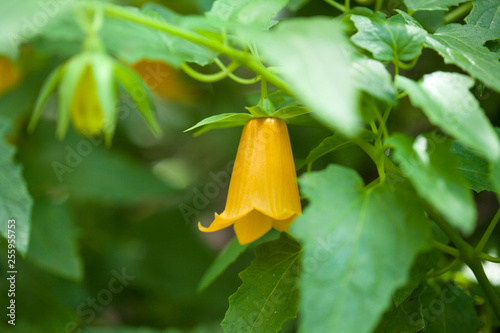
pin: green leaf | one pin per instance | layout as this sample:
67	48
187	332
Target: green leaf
15	201
423	264
386	40
136	88
431	4
359	245
73	71
462	45
48	88
230	253
290	112
406	317
332	143
447	102
21	22
311	54
225	120
404	17
268	295
448	310
434	173
474	168
247	12
485	13
53	245
372	77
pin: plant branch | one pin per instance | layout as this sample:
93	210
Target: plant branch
445	248
458	13
335	4
243	58
470	258
482	243
209	77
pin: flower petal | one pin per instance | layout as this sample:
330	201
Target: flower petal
264	175
252	226
218	223
282	225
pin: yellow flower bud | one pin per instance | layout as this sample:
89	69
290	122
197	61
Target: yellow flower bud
86	113
263	191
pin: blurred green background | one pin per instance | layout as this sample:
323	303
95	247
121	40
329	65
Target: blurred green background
104	212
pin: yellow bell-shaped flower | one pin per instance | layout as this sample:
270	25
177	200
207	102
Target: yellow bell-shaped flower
263	191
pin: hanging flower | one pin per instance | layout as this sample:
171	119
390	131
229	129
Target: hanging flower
263	191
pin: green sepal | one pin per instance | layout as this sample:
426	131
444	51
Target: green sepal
73	72
103	73
225	120
134	86
290	112
48	88
257	111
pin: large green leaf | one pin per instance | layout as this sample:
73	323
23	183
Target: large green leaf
258	13
359	245
448	310
474	168
53	245
431	4
22	21
485	13
312	56
15	201
268	295
447	102
372	77
406	317
462	45
434	173
386	40
423	264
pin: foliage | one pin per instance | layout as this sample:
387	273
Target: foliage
393	113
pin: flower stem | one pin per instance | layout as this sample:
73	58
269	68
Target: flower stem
470	258
488	232
445	248
336	5
457	13
208	77
243	58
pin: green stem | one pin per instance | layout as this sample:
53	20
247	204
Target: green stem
458	13
336	5
468	255
235	77
488	232
347	5
445	248
378	5
208	77
409	66
452	265
238	56
487	257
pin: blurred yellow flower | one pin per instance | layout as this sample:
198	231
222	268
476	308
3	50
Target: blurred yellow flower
10	75
86	113
263	191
